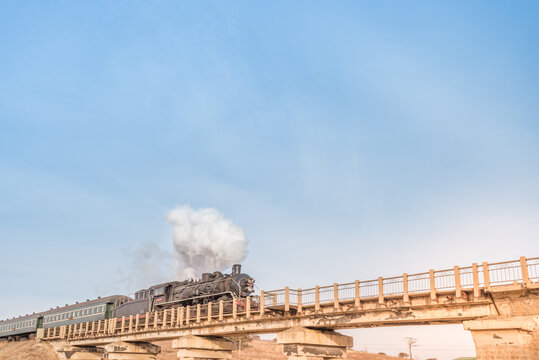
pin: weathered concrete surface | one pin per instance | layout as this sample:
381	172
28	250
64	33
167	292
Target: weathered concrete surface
348	317
512	333
131	351
301	335
303	343
200	347
514	338
66	351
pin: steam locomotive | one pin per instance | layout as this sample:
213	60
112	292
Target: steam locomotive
212	287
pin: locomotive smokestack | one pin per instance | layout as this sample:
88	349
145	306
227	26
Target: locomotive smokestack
236	269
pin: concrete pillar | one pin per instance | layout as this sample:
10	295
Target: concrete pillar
131	351
305	344
66	351
193	347
514	338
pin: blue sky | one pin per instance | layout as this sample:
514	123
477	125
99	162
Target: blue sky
348	139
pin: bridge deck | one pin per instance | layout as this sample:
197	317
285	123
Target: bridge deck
442	296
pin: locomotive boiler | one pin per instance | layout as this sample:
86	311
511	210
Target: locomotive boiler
212	287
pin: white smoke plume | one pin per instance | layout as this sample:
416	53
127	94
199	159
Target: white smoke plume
205	241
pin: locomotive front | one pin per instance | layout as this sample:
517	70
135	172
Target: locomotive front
242	285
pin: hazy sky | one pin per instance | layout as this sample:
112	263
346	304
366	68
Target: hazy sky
348	139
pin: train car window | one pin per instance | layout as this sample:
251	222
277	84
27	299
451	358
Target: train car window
159	291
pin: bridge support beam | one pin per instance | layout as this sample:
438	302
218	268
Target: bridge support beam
131	351
505	338
66	351
193	347
306	344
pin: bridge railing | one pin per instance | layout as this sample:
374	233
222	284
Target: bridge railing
533	269
477	277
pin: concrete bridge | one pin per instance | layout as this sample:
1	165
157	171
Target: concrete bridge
497	302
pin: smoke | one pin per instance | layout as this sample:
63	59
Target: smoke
205	241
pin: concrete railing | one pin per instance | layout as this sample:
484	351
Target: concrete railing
477	277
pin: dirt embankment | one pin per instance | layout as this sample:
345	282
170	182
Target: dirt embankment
27	350
253	350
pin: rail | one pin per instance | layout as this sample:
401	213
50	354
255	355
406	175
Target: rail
459	281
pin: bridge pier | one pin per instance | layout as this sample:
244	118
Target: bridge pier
192	347
66	351
131	351
505	338
306	344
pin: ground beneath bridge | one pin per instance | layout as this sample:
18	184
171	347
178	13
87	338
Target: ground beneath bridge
251	350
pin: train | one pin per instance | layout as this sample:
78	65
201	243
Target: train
211	287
